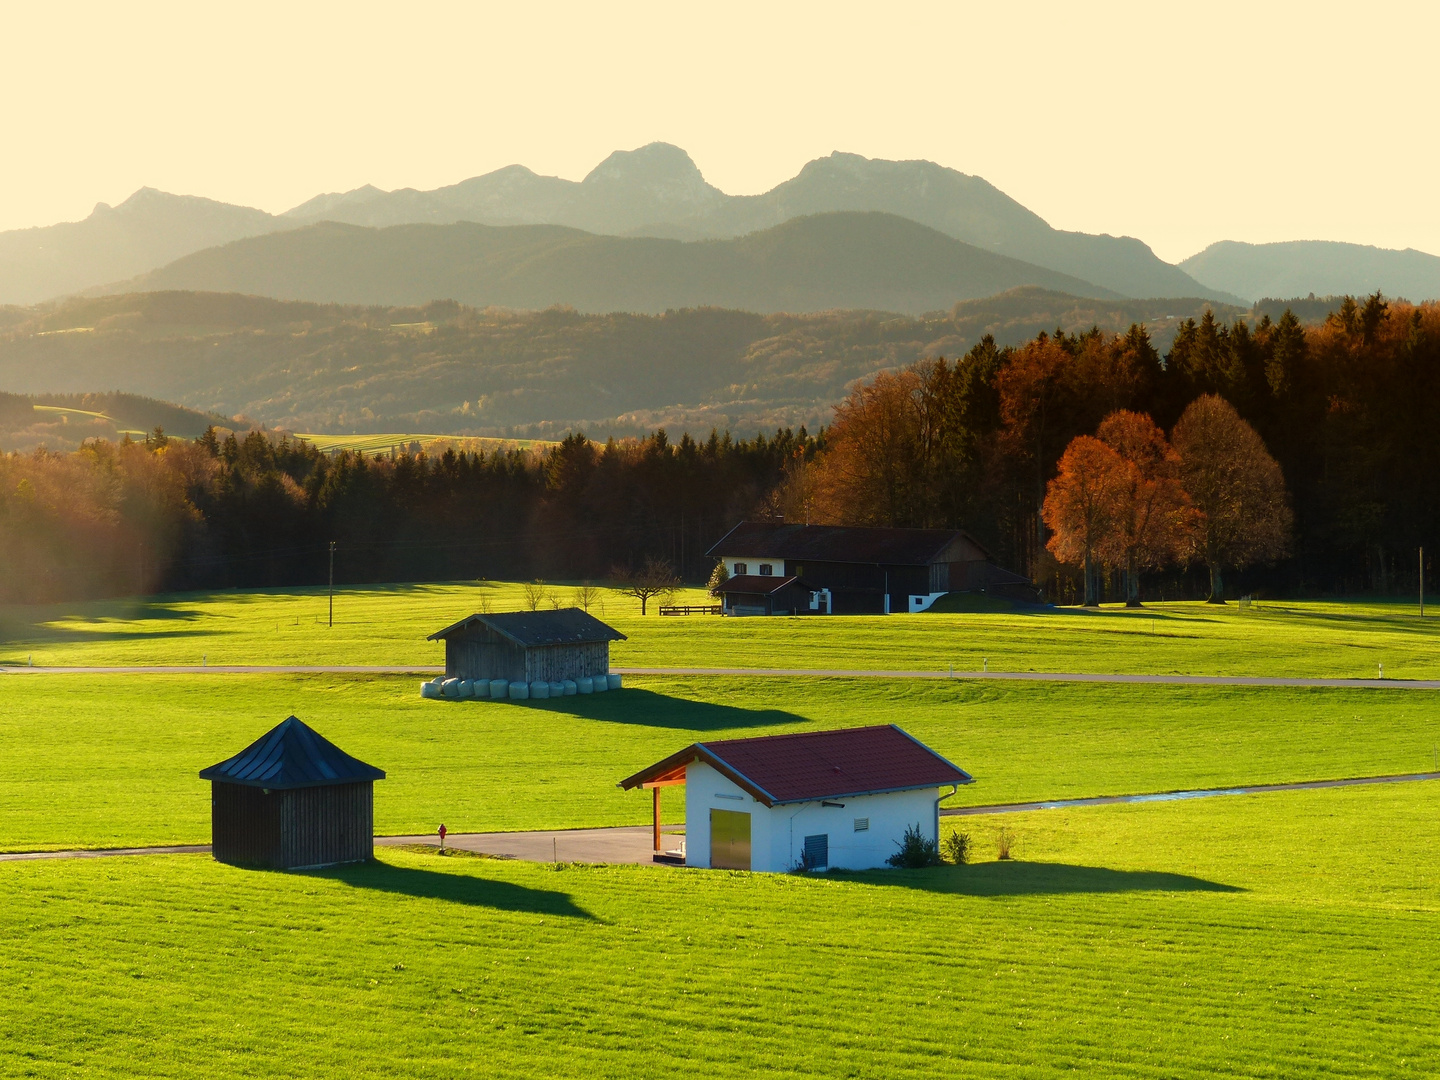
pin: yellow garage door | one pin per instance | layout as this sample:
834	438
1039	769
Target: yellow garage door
729	840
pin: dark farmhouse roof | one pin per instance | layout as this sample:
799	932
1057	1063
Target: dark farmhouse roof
756	583
813	765
292	755
839	543
565	626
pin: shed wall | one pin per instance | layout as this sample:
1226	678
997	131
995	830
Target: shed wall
316	826
484	654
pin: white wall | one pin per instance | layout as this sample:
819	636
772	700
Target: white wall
752	565
777	834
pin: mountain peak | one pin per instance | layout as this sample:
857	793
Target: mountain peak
657	162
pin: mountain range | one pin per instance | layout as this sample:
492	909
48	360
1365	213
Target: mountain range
1318	267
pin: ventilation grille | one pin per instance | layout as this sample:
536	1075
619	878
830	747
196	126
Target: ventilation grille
862	824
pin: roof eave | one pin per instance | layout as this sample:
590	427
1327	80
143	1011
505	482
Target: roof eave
877	791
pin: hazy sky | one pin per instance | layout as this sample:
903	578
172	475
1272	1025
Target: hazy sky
1177	123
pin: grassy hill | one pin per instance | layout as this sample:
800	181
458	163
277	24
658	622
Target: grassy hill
844	260
61	422
450	369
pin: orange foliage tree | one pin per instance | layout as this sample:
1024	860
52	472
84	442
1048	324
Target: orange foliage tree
1082	506
1153	518
1237	487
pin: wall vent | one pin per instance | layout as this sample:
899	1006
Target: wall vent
862	824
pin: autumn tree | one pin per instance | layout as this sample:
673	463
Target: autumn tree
1237	487
1081	506
656	579
1153	517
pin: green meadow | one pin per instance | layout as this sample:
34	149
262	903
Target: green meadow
111	761
1260	936
388	625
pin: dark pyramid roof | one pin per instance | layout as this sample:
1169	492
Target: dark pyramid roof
838	543
564	626
292	755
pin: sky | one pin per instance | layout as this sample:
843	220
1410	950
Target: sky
1178	123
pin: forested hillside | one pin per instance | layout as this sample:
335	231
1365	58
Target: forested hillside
451	369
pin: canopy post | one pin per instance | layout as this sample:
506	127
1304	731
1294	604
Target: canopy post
655	793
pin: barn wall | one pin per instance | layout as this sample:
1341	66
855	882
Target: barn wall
552	663
245	824
334	823
484	654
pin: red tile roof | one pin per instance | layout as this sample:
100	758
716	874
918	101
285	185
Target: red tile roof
812	765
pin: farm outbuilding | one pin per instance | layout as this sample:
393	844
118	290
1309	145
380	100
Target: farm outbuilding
815	799
528	646
292	799
855	571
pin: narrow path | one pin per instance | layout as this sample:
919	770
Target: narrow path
1175	796
632	843
829	673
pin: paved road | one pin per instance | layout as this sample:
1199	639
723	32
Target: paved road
633	843
1015	676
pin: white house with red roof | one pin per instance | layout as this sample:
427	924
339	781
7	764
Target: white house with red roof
817	799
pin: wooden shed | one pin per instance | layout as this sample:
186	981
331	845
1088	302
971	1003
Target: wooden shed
528	646
292	799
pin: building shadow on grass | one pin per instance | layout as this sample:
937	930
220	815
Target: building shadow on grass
649	709
1019	878
459	888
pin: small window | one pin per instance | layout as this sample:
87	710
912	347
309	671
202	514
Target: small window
817	852
862	824
741	568
766	569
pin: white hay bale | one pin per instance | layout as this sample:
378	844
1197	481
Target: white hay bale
519	691
500	689
569	687
585	685
539	690
613	681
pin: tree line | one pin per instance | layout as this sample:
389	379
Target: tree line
1299	457
1339	410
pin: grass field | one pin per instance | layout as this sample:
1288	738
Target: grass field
431	444
1265	936
106	761
388	625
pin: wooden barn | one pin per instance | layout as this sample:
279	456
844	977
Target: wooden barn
528	646
292	799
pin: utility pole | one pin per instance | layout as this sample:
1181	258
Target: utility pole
332	582
1422	583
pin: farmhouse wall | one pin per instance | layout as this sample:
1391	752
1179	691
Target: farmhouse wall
777	834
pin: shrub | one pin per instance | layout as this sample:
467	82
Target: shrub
916	850
1004	843
956	848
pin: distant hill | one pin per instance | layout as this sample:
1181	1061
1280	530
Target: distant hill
451	369
63	421
655	191
147	230
842	260
1319	267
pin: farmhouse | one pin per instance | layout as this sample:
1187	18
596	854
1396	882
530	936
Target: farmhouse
528	646
292	799
818	799
835	569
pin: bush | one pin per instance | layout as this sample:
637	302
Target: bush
916	850
956	848
1004	843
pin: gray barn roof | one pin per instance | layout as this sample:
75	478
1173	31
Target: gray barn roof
291	755
565	626
839	543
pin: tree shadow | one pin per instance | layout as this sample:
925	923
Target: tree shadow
1017	878
453	888
648	709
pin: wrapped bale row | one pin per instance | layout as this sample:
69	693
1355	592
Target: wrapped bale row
454	689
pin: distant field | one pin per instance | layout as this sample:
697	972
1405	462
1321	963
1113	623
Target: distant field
383	444
389	624
104	761
1267	936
